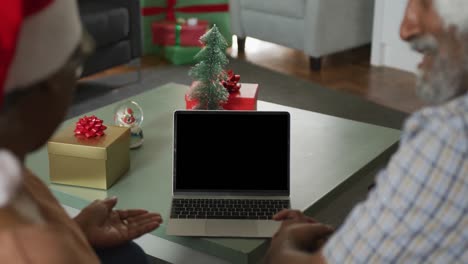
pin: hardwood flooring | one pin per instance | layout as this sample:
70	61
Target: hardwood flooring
348	72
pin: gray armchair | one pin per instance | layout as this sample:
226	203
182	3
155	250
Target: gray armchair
115	27
316	27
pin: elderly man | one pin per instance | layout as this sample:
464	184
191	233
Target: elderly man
42	46
418	211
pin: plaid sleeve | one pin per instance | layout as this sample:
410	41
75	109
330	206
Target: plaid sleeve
418	211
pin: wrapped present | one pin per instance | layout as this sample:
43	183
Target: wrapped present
214	11
85	155
167	33
242	96
244	99
180	55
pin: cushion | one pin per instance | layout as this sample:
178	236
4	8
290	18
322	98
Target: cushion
107	23
287	8
282	30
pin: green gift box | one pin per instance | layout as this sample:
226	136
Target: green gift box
180	55
214	11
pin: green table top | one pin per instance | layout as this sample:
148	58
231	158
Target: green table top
325	152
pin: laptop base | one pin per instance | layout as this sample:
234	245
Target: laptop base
222	228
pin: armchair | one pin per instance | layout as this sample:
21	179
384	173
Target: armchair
115	27
316	27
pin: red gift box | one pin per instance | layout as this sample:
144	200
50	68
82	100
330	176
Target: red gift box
167	33
244	99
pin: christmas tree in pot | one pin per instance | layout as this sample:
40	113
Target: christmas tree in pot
207	73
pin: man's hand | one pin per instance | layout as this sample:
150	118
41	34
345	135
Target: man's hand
105	227
289	214
298	237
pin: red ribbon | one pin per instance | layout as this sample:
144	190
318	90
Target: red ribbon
171	9
90	126
232	83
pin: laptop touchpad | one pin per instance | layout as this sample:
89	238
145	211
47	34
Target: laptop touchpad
236	228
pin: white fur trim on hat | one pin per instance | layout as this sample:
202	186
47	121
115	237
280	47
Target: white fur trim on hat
46	40
453	12
10	177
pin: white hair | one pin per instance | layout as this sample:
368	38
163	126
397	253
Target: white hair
453	12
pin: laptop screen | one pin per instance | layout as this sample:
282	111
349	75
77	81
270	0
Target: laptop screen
231	151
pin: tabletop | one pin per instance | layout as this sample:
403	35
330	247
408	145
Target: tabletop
326	151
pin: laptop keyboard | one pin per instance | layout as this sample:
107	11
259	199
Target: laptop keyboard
226	208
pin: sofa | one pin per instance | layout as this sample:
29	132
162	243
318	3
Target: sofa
115	27
316	27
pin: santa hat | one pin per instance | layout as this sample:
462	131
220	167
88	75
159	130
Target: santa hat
10	177
36	39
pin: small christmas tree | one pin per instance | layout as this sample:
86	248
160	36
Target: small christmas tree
207	73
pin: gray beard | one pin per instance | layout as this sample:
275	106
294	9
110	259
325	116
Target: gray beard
444	82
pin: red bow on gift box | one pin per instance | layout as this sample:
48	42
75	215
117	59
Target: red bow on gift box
232	83
90	127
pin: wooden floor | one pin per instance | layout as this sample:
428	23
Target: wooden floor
348	71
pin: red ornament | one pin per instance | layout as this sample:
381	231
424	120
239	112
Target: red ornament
90	127
232	83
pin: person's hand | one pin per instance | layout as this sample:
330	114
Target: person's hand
105	227
296	215
298	237
298	242
293	217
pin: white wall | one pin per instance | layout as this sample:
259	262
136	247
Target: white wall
387	47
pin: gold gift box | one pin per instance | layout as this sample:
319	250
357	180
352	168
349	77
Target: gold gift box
95	162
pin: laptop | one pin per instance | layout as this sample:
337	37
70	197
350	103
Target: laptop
230	173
